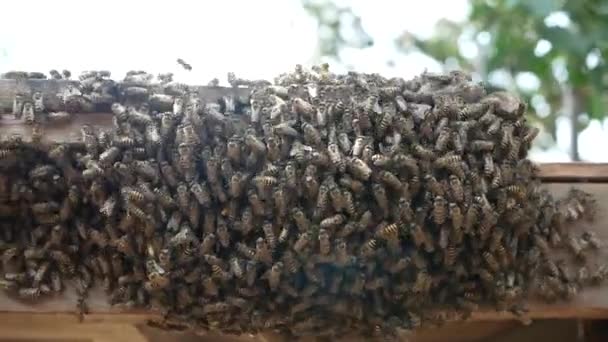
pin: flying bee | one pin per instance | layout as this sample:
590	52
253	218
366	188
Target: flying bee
184	65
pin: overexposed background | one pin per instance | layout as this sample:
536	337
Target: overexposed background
254	39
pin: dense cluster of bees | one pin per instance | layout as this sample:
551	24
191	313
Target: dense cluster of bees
328	204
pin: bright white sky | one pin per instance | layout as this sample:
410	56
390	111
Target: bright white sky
254	39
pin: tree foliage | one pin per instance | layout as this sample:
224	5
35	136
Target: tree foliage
561	44
338	27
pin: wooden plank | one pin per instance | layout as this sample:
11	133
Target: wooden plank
70	132
47	327
574	172
51	88
590	303
64	133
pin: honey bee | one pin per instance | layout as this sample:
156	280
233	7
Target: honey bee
575	247
390	179
184	65
369	248
379	193
456	216
222	232
324	242
18	106
491	261
300	219
443	140
440	210
359	168
592	240
599	275
268	229
274	275
302	242
28	113
257	206
30	293
447	161
387	231
255	144
311	134
422	283
262	251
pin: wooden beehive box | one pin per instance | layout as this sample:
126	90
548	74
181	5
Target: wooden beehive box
55	319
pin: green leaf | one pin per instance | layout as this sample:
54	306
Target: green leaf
542	8
596	106
567	41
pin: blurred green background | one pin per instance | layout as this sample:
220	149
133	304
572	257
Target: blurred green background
551	52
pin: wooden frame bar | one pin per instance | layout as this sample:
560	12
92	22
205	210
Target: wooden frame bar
590	303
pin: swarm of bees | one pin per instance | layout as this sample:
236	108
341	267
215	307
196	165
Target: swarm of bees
328	204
